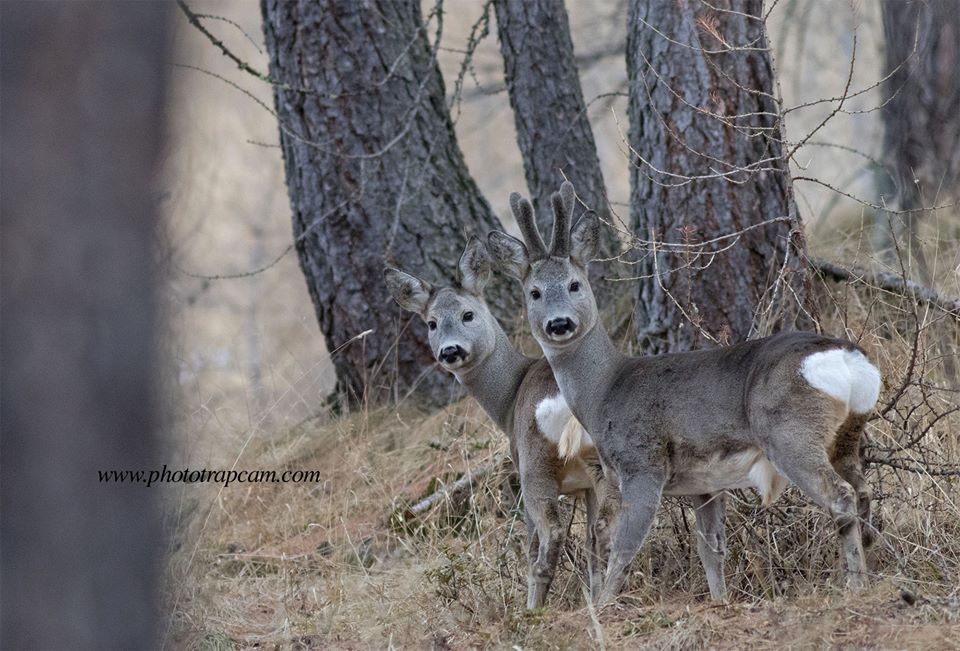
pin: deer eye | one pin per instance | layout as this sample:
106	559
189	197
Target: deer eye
535	294
432	325
574	286
468	317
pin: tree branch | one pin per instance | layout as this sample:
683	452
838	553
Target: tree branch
194	19
455	492
888	282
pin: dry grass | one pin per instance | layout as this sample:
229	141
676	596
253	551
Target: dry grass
331	566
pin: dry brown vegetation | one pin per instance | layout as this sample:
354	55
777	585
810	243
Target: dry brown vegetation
335	565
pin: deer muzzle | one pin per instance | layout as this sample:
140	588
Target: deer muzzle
560	328
452	354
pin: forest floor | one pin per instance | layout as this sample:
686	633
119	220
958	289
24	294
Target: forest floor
337	565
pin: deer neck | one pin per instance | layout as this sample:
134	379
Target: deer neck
495	381
584	372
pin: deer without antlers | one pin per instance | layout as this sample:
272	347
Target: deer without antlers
756	414
553	453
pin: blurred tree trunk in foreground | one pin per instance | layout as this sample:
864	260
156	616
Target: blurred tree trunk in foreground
704	120
921	112
553	129
374	174
82	111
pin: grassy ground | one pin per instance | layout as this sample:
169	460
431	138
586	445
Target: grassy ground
335	565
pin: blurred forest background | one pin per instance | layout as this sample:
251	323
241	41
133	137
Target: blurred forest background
252	377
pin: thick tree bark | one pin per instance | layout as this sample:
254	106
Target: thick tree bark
374	174
82	119
708	161
553	129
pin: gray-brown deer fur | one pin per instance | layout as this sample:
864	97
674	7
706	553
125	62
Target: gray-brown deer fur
553	454
755	414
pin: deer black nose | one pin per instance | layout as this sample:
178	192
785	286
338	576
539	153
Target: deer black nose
560	326
450	354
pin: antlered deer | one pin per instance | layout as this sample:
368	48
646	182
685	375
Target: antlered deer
787	407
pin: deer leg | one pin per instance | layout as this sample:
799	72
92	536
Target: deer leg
846	459
533	545
546	536
608	496
594	575
603	504
640	497
712	540
802	458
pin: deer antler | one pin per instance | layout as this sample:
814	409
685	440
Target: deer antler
523	213
563	203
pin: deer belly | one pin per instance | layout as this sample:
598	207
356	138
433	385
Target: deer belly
748	468
574	477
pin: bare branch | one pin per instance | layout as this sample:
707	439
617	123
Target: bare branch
455	492
888	282
194	19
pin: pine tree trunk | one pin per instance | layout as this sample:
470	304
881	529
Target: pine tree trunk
553	129
374	175
683	75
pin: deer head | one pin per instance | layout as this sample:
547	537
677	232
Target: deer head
461	329
559	300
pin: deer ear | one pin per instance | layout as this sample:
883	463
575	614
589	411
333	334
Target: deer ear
585	238
509	254
475	266
411	293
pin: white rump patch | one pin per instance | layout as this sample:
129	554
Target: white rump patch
558	424
846	375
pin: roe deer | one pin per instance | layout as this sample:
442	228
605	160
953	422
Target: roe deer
549	447
755	414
